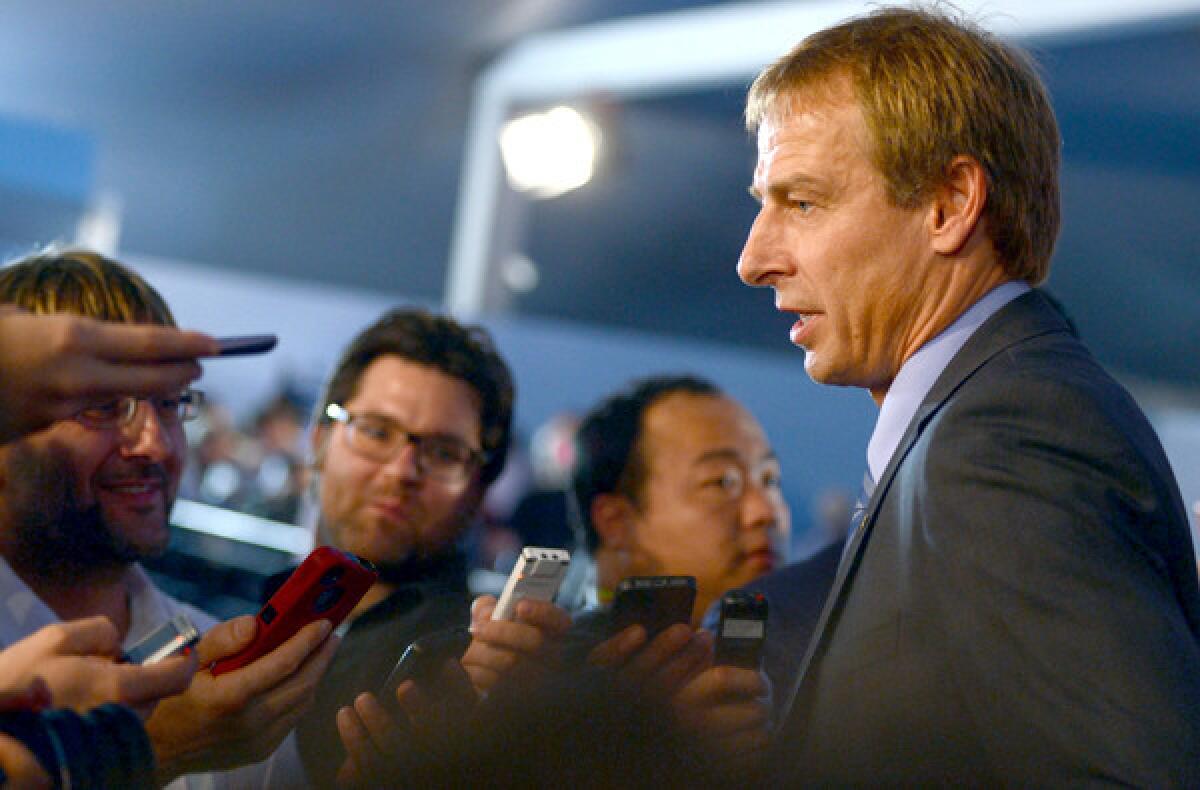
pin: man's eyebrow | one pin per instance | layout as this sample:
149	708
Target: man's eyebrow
785	185
795	181
729	454
720	454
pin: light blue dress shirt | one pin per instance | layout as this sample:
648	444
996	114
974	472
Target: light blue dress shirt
921	370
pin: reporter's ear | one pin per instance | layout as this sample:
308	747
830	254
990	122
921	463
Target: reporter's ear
318	439
612	516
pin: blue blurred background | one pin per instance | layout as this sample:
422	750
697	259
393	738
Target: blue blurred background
295	167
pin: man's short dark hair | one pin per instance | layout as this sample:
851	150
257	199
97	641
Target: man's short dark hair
441	343
608	454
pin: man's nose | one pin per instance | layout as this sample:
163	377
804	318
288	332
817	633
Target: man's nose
759	507
146	436
759	263
404	463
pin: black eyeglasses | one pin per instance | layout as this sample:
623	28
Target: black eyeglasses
379	438
121	412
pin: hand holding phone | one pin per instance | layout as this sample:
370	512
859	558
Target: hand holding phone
654	602
424	662
537	575
742	630
326	586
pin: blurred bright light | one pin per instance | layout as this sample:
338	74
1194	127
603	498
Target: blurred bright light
547	154
520	273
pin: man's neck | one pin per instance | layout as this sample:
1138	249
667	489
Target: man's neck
95	592
610	570
378	592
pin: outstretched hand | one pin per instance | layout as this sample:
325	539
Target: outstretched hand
77	662
54	365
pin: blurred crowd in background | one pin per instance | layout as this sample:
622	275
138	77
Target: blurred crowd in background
260	467
257	468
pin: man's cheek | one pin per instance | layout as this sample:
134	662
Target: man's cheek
44	473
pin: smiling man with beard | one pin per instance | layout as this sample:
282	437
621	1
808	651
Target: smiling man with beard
85	498
55	535
411	429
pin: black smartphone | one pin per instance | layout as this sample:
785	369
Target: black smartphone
655	602
246	344
176	635
742	629
423	662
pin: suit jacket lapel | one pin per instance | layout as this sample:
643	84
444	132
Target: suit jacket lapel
1027	316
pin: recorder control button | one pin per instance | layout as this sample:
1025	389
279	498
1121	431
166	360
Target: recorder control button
267	614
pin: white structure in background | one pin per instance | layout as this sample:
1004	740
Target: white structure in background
672	53
99	228
690	50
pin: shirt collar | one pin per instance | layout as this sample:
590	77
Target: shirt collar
22	612
918	374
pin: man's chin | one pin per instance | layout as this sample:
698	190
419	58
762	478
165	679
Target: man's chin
148	549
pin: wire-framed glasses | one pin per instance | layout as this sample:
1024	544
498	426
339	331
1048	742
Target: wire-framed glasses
379	438
120	412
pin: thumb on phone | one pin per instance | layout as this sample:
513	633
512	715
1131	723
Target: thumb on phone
225	639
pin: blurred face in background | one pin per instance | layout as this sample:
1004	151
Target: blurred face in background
388	511
710	504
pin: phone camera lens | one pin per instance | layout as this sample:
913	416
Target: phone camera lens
332	575
327	599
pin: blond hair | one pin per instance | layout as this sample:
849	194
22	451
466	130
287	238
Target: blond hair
84	283
931	87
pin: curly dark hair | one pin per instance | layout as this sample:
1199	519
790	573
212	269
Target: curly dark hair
439	342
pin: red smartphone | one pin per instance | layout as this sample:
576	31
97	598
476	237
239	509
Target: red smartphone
326	586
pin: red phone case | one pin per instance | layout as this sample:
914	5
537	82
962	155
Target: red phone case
326	586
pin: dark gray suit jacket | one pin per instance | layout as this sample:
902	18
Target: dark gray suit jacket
1020	603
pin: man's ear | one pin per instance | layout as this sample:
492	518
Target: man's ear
318	439
957	208
612	516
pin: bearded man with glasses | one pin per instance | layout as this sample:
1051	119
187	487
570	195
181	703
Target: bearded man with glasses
88	495
412	428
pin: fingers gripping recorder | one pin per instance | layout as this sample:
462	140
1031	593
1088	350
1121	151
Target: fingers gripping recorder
742	630
537	576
